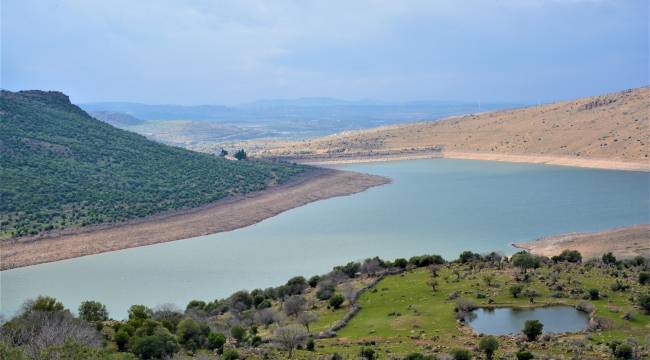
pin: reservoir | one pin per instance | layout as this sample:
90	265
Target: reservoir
441	206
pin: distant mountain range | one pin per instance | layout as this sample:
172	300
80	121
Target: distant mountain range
304	108
116	118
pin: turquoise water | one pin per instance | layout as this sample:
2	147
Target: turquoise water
439	206
504	321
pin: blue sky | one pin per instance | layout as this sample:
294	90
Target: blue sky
228	52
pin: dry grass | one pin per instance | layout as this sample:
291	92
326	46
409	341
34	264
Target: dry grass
611	128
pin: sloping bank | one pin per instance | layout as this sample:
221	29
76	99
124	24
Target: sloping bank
224	215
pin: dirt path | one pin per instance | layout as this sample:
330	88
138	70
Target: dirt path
623	242
221	216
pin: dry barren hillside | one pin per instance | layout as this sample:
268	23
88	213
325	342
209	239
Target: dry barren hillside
610	127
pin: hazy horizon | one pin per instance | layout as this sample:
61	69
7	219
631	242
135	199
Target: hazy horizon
234	52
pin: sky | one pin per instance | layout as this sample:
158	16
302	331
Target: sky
230	52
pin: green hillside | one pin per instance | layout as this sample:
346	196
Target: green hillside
61	168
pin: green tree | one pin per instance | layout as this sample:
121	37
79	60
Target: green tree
532	329
93	311
155	346
525	261
223	153
216	340
121	338
572	256
336	301
488	344
191	335
241	155
46	304
139	312
609	258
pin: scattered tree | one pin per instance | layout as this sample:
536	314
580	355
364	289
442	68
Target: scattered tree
336	301
609	258
533	329
488	344
306	318
241	155
93	311
289	337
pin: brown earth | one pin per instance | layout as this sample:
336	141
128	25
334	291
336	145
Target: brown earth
608	131
622	242
224	215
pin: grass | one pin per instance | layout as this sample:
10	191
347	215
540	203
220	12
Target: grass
402	314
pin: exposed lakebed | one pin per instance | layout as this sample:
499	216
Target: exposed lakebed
439	206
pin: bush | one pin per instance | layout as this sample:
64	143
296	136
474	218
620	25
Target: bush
418	356
216	340
516	290
190	334
488	344
238	333
311	345
644	277
594	294
336	301
524	355
230	354
624	351
367	353
532	329
461	354
644	303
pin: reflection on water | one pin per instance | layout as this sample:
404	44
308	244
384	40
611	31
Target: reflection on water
503	321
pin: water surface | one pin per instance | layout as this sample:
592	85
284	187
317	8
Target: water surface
441	206
505	321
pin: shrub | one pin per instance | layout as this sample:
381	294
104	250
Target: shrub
624	351
524	355
367	353
461	354
336	301
230	354
644	303
516	290
488	344
311	345
190	334
532	329
216	340
418	356
644	277
594	294
238	333
46	304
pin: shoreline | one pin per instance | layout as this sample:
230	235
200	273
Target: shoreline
591	163
623	242
223	215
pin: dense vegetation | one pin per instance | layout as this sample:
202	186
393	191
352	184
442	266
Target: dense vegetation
412	309
62	168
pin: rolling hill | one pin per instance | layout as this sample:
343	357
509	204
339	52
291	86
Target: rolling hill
61	169
612	127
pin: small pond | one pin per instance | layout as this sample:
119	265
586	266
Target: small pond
504	321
